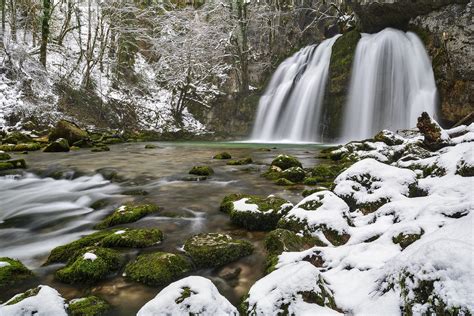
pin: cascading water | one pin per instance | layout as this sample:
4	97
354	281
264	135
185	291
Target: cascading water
291	107
392	83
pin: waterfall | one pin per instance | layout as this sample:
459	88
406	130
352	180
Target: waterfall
392	83
290	109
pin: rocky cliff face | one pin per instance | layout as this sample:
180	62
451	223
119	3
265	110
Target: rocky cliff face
448	34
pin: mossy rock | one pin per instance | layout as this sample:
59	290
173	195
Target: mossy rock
21	147
214	249
150	146
240	162
294	174
65	252
284	182
465	169
100	148
127	214
280	240
4	156
222	155
158	268
201	171
389	138
12	271
405	240
20	297
59	145
17	138
286	161
308	192
262	213
88	306
69	131
133	238
89	265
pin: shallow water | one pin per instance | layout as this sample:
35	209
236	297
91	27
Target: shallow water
38	213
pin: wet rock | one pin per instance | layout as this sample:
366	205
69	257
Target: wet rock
284	182
127	214
286	161
222	155
255	212
240	162
4	156
69	131
59	145
12	164
17	138
157	269
230	274
201	171
20	147
99	149
151	146
294	174
110	174
88	306
214	249
434	136
12	272
89	265
133	238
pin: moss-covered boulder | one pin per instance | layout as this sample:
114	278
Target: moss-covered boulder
12	271
89	265
280	240
100	148
17	138
133	238
12	164
240	162
214	249
65	252
340	66
222	155
284	182
150	146
59	145
88	306
285	162
158	268
255	212
294	174
21	147
201	171
4	156
127	214
69	131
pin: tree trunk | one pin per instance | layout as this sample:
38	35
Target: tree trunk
2	32
45	30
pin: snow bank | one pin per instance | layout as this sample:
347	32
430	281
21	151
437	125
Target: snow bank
192	295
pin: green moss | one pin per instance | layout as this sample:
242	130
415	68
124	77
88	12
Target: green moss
270	210
465	169
201	171
223	155
272	174
213	249
133	238
82	270
20	297
17	138
342	56
280	240
185	293
157	269
6	166
311	181
240	162
21	147
13	272
270	263
294	174
100	148
127	214
69	131
59	145
284	182
336	238
65	252
4	156
405	240
88	306
286	161
306	193
150	146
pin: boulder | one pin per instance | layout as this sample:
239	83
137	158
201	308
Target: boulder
88	306
201	171
127	214
434	136
12	271
17	138
286	161
59	145
223	155
69	131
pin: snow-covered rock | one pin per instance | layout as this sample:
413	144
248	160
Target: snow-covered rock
42	301
193	295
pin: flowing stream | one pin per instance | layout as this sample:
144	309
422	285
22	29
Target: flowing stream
62	196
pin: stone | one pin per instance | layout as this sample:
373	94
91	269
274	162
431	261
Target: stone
59	145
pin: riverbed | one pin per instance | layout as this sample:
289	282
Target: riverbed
62	195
